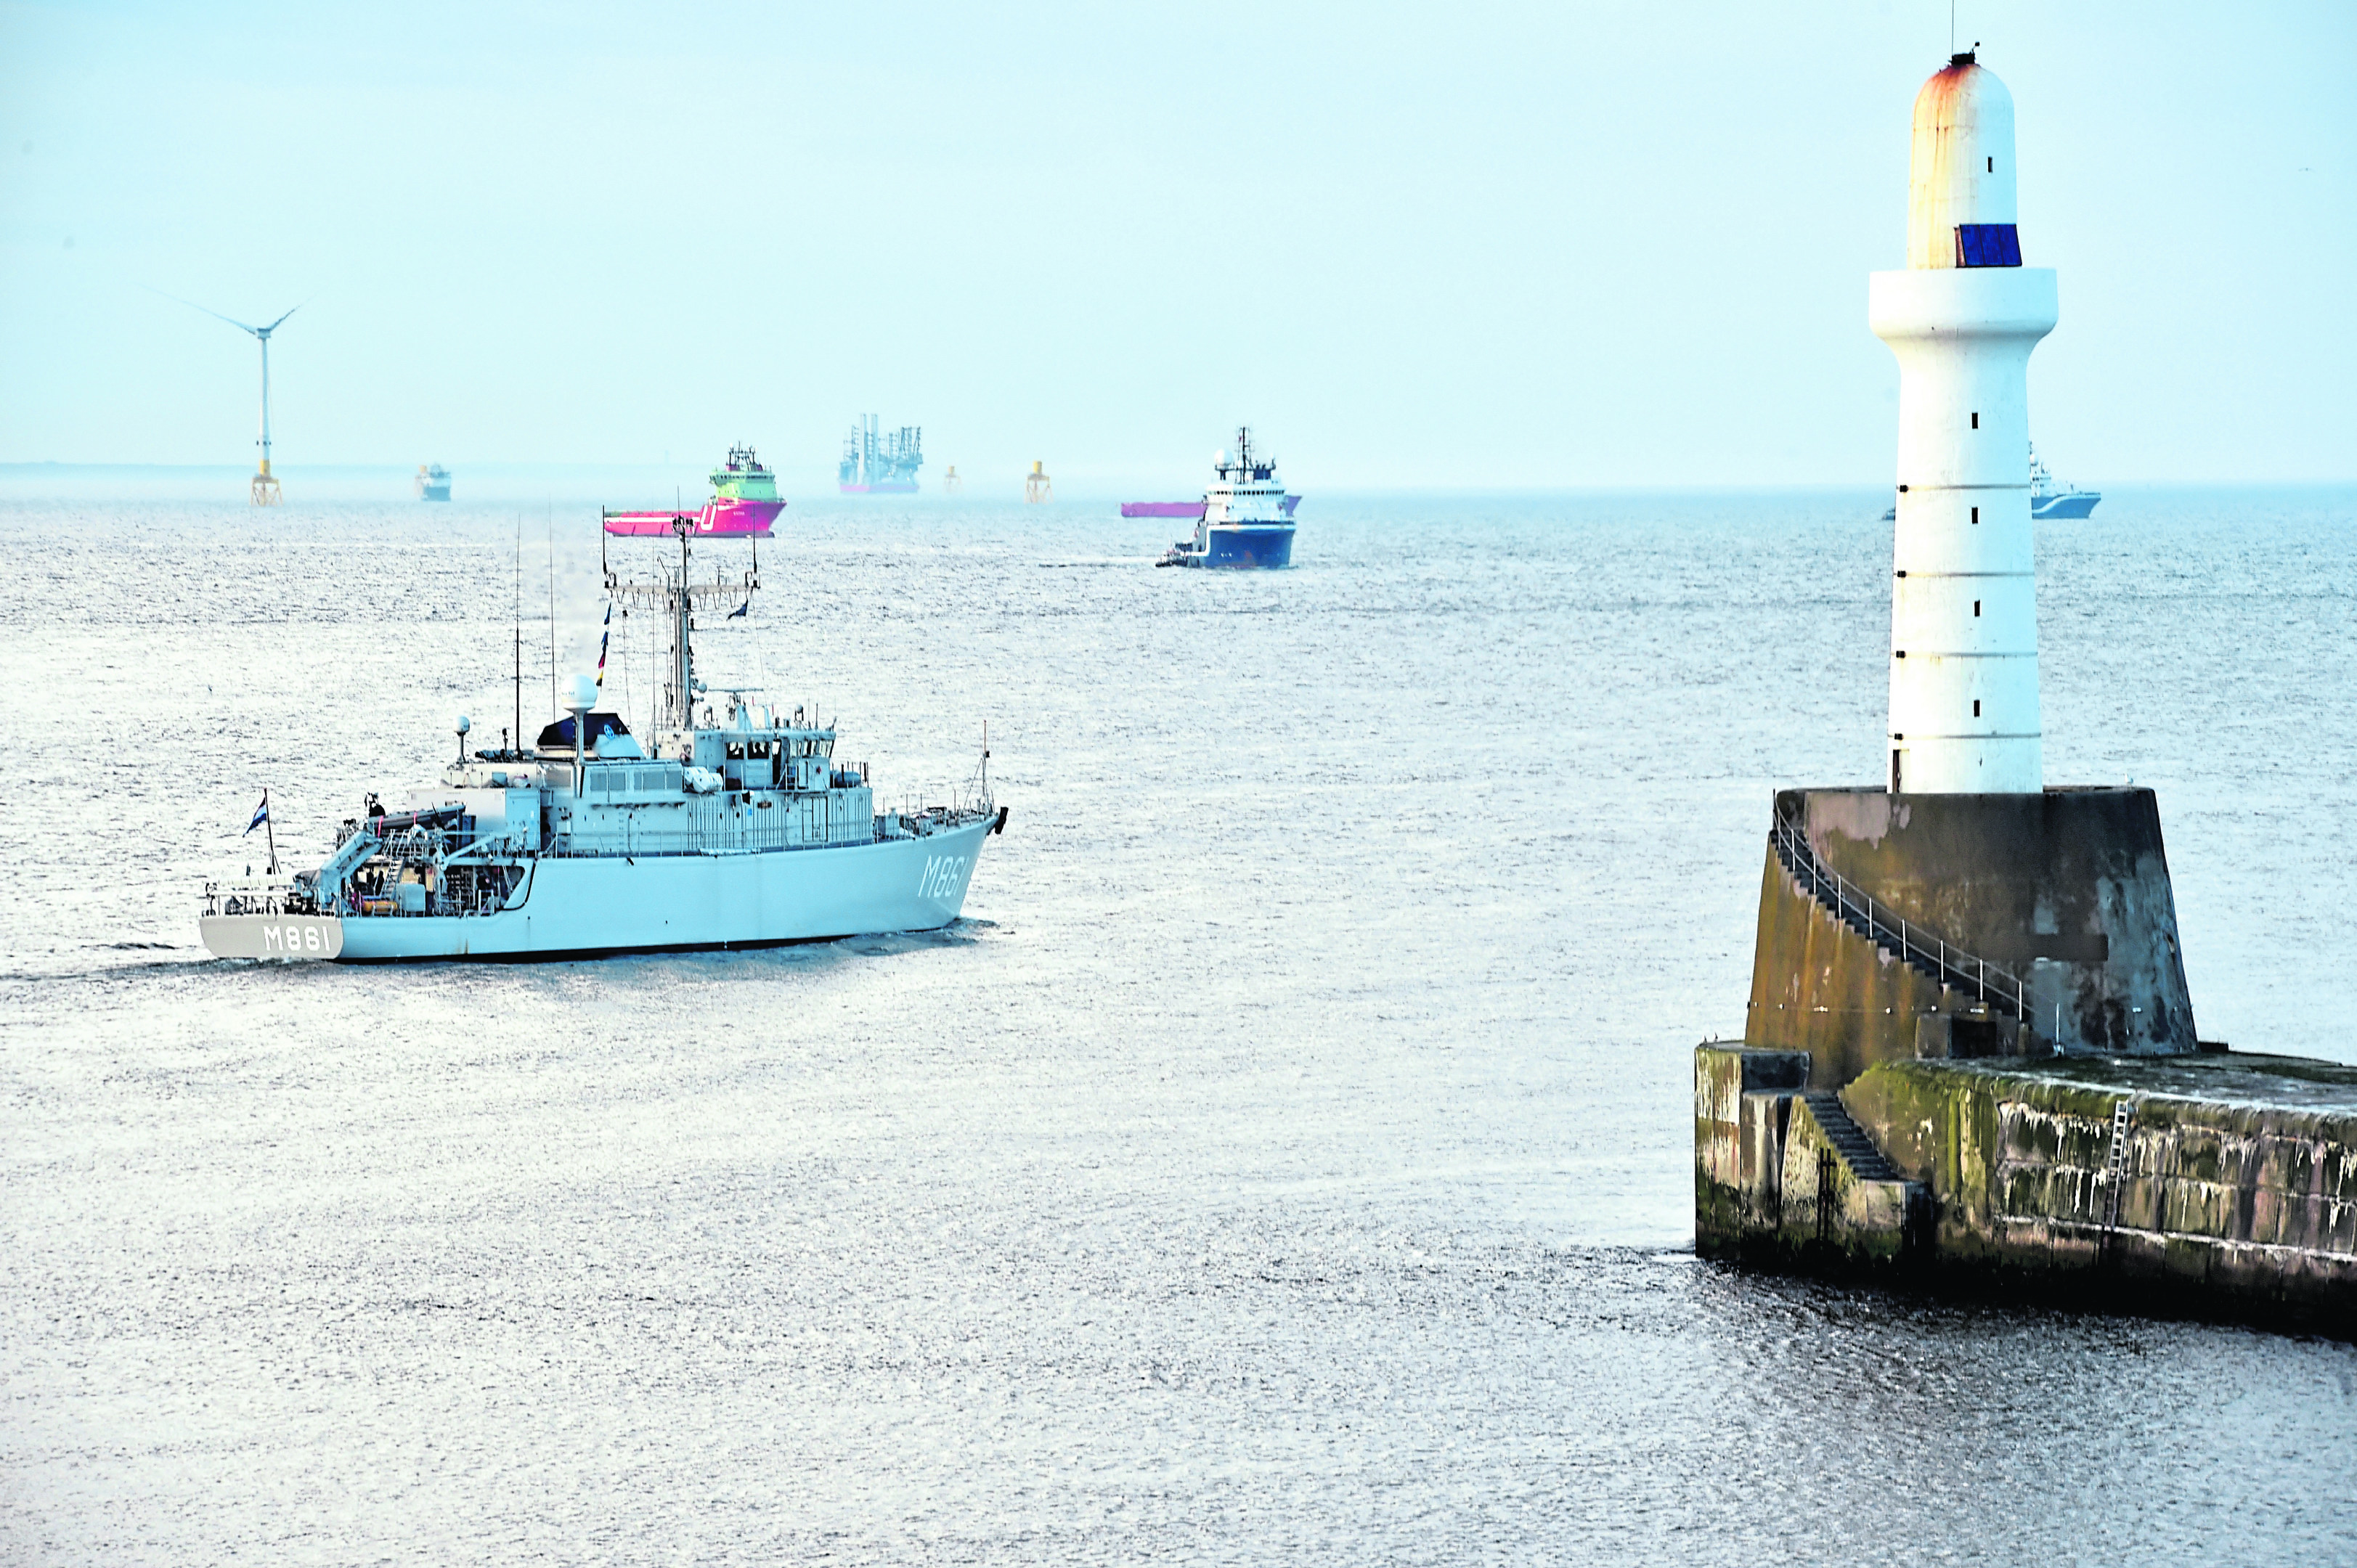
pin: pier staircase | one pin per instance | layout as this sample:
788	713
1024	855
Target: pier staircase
1849	1140
1867	1163
1957	972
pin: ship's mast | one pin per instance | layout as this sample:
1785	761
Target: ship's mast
682	659
678	598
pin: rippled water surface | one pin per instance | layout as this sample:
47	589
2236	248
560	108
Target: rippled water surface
1287	1159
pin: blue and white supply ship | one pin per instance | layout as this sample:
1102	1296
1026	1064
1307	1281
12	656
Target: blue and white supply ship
1245	522
741	830
2047	500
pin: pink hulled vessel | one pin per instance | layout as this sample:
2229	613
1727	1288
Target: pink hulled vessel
744	501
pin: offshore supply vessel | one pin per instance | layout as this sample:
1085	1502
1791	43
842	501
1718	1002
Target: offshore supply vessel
739	828
744	501
1245	522
432	482
2048	500
880	463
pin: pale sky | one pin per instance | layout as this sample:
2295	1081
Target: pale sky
1473	244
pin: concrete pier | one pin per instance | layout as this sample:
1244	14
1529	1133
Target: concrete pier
2219	1186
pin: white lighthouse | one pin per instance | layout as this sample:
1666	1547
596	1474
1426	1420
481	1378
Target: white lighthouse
1963	318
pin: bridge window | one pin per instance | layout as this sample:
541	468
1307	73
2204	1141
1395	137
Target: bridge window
1976	511
1977	610
1977	707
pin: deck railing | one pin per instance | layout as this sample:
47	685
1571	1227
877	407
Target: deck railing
1926	950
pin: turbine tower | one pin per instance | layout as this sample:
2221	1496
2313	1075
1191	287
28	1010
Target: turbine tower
265	484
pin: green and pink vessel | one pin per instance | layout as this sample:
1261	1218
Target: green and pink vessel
744	501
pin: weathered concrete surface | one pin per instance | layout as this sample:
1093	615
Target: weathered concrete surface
2238	1198
2239	1189
1741	1100
2069	888
1861	1218
1772	1185
1818	986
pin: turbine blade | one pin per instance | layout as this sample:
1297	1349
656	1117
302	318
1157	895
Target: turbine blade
216	314
274	325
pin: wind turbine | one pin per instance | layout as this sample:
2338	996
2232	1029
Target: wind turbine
265	484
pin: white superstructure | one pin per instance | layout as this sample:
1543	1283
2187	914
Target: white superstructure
1963	318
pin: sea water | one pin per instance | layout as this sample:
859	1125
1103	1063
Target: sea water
1288	1157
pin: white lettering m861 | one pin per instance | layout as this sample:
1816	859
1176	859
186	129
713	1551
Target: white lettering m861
943	875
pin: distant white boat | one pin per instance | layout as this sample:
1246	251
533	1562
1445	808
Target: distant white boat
1246	520
2046	499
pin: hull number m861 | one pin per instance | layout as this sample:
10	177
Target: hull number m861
943	875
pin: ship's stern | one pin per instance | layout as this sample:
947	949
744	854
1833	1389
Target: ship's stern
309	937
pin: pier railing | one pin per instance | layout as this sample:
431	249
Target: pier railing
1925	951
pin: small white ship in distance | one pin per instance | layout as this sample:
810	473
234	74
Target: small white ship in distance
2045	498
432	482
742	829
1245	522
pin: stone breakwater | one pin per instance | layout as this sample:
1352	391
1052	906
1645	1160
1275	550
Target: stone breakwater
2219	1186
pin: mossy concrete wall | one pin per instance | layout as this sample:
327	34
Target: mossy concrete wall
1743	1099
2238	1195
2237	1198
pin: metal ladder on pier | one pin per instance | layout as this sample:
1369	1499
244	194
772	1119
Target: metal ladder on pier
2114	1176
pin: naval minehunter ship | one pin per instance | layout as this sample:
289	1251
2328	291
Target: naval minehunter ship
1246	521
741	830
